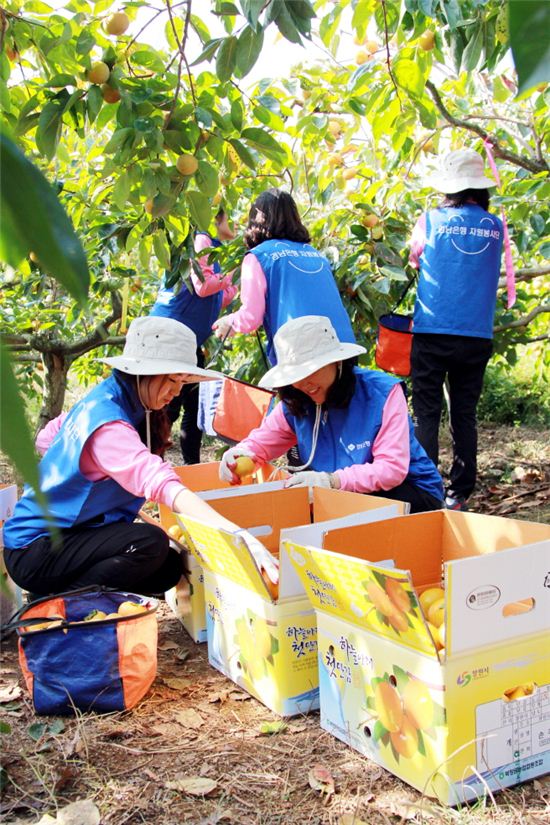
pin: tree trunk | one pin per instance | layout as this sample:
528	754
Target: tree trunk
55	384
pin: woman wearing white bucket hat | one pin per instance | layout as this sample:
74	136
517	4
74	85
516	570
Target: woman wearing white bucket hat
101	462
351	425
457	248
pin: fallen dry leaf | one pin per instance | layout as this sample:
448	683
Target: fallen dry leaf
321	779
351	819
239	696
10	692
82	812
189	718
193	785
168	644
176	683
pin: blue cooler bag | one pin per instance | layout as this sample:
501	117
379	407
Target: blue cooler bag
92	649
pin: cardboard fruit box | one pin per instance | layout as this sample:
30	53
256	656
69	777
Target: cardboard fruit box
266	641
455	723
198	478
10	594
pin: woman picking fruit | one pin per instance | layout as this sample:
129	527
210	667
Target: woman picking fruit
283	276
457	248
102	464
351	425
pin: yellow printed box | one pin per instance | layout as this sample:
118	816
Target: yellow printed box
266	642
199	478
456	722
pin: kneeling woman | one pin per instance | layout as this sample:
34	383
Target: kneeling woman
101	466
351	425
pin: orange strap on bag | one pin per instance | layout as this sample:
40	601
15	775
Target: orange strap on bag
240	408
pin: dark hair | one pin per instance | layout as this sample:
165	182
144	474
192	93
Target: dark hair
274	214
479	196
338	397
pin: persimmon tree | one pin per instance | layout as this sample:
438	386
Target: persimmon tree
144	143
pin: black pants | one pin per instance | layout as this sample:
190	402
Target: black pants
463	361
135	557
190	434
420	500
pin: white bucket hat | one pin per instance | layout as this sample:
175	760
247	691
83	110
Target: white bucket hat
159	346
459	170
304	345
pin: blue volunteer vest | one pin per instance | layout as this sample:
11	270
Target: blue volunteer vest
73	499
346	436
185	305
459	272
299	282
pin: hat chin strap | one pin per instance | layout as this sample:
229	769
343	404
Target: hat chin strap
147	414
314	439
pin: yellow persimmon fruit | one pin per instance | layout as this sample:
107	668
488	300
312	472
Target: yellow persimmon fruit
426	41
109	94
95	616
398	595
361	57
380	599
429	596
99	73
377	232
117	23
436	612
244	466
187	164
372	46
175	531
370	220
129	608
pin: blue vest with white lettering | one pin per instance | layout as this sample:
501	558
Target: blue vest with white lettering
346	436
459	272
299	282
185	305
73	499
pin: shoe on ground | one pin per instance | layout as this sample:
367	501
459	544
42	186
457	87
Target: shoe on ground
452	503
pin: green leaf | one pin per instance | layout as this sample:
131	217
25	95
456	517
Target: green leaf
226	58
252	10
56	727
161	249
199	206
263	141
243	153
409	76
271	728
49	127
121	190
4	727
378	731
149	59
472	52
37	730
59	80
209	51
207	179
34	220
529	22
94	102
85	41
237	114
249	46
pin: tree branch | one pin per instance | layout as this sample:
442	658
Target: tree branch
532	165
525	275
525	320
99	335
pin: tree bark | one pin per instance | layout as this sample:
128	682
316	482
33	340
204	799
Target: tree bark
55	384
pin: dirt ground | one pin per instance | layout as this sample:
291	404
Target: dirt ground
194	722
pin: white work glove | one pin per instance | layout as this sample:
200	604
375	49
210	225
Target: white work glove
223	327
309	478
261	555
227	464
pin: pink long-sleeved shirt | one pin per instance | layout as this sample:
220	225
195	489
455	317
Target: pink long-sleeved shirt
211	281
390	450
116	451
250	315
418	242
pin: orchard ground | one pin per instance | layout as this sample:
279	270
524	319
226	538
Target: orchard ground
194	722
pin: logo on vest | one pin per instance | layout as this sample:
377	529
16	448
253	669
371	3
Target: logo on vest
484	233
360	446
